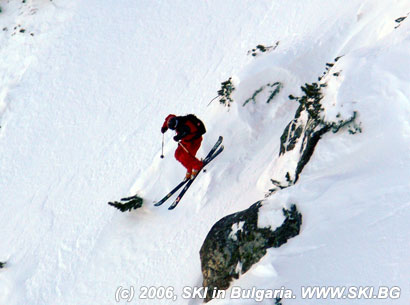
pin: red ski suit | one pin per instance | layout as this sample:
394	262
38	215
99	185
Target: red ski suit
188	145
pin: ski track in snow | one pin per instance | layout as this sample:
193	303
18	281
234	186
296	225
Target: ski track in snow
80	123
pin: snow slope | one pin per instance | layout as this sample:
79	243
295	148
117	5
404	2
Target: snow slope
80	126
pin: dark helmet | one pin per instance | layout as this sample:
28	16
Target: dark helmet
172	123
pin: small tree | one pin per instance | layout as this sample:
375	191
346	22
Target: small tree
225	92
128	204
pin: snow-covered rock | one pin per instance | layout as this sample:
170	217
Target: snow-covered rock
237	241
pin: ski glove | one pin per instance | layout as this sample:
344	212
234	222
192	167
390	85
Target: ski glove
181	135
163	129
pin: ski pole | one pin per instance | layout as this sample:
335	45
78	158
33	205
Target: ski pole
179	143
162	150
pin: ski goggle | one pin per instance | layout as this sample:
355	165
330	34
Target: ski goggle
172	123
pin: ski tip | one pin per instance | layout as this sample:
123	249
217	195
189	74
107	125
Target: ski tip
172	206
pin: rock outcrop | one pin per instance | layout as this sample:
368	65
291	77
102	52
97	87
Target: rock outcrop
224	255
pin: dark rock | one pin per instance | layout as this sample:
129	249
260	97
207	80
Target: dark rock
225	256
305	131
307	150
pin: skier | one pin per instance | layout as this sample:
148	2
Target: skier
189	130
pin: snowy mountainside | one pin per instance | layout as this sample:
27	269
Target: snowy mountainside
83	128
355	188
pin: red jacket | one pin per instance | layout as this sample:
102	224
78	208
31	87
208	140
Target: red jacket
188	128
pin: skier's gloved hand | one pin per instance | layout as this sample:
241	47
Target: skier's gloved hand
176	139
163	129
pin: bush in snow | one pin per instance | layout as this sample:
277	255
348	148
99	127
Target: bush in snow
225	92
262	49
275	89
128	204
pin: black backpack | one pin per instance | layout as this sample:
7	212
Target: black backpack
197	122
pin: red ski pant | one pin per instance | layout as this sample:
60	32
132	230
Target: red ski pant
186	152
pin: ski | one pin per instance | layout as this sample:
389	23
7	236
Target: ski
157	204
172	192
207	160
213	149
